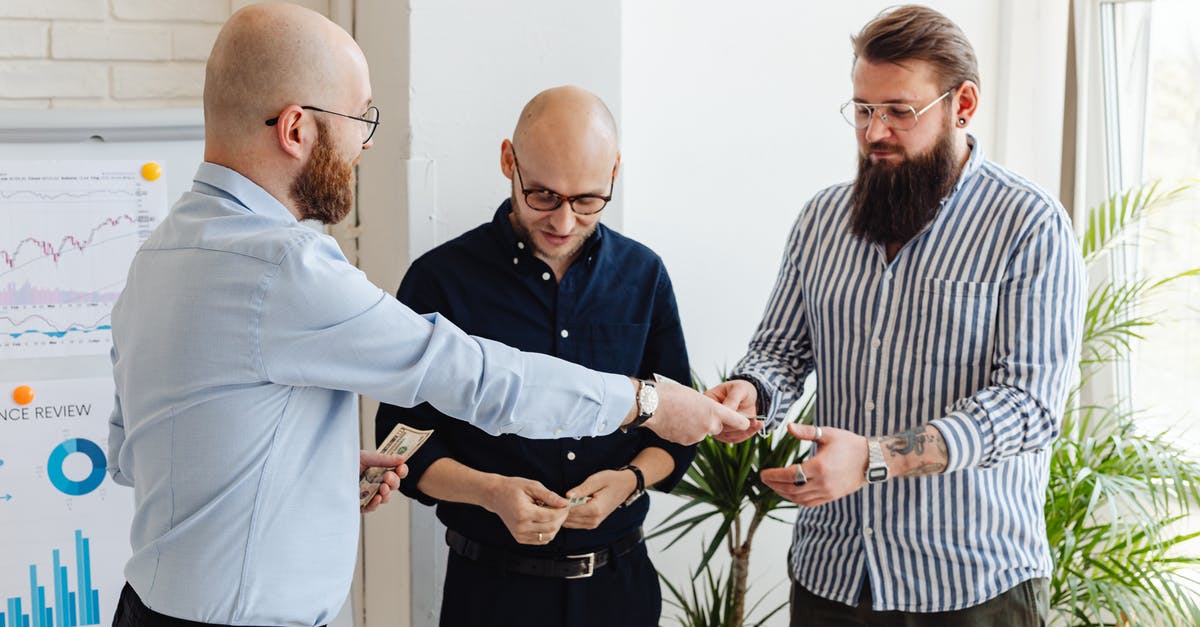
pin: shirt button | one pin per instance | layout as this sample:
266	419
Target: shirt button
558	432
545	276
564	333
949	408
876	343
870	405
867	531
521	245
571	455
515	260
887	276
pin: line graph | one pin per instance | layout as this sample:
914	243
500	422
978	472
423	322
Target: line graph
68	231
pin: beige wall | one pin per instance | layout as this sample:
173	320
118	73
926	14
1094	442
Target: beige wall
111	54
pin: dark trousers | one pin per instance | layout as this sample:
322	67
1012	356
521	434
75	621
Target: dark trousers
131	612
622	594
1024	605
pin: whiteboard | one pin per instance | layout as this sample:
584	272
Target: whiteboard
64	526
174	138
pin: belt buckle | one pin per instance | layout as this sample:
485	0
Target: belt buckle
591	565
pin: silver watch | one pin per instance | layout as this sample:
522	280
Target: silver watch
877	469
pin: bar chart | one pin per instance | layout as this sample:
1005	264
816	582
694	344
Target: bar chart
65	607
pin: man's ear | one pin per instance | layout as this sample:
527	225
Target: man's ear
617	166
291	133
507	158
965	101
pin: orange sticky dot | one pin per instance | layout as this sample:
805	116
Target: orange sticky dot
151	171
23	395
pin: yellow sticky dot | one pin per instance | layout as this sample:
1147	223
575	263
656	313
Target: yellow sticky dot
151	171
23	395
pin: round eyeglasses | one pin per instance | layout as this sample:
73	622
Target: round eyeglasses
548	200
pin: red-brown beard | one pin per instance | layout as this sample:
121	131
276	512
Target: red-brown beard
324	188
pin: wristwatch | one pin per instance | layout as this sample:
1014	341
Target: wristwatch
647	402
877	469
641	484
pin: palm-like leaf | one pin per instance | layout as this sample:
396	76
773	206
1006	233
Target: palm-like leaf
1115	493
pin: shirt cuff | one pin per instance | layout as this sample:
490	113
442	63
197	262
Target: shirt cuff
618	400
964	441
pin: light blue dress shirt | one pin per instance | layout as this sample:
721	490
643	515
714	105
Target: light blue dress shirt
239	343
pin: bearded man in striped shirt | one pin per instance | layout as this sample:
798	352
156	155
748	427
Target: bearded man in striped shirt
939	300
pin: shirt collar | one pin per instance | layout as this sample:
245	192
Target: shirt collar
240	189
504	228
974	162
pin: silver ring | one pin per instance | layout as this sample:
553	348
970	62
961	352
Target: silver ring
539	536
800	478
818	438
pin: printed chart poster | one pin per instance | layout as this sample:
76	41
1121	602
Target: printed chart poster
64	523
68	232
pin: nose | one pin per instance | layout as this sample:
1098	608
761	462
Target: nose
562	219
876	129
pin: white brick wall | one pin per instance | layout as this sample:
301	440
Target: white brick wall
108	54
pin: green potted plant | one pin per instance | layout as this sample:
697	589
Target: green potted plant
1116	494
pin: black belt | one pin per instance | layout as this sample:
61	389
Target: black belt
577	566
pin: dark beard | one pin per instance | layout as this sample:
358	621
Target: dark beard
324	189
891	204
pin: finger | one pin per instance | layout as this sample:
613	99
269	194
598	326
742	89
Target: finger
391	480
804	432
730	420
402	471
385	492
778	475
373	458
733	437
549	498
376	501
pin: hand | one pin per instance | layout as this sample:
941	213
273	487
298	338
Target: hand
391	478
742	397
839	468
685	416
531	512
608	489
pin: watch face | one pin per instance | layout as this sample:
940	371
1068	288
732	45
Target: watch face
647	399
877	474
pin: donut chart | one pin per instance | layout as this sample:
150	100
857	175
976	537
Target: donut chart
54	467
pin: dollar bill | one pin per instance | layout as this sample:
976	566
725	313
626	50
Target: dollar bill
576	501
403	441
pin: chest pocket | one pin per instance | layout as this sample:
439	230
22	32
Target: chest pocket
616	348
960	318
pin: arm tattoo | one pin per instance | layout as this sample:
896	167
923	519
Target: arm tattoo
923	446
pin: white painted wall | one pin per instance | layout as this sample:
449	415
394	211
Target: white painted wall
729	123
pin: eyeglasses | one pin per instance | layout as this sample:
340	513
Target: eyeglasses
898	116
370	118
547	200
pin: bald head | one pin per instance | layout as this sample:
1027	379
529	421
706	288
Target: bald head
270	55
572	124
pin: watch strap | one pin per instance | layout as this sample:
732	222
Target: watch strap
641	484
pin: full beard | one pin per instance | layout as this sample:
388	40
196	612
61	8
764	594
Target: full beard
892	204
324	188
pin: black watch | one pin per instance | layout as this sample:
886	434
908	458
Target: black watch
641	484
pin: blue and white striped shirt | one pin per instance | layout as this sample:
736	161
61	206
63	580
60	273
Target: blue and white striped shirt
973	327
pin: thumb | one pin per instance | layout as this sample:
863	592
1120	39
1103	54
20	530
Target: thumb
372	458
731	420
548	497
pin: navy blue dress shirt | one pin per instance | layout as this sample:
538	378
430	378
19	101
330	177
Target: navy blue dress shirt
614	311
